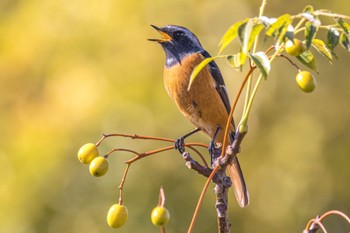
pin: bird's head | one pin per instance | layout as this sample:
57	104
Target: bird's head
178	42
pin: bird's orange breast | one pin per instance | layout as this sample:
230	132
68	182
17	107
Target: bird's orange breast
202	104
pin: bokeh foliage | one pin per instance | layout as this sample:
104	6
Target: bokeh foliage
72	70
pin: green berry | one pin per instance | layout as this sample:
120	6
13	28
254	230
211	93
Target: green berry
98	166
306	81
87	153
117	215
295	47
160	216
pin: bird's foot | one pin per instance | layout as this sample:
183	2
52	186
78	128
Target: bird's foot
180	145
211	148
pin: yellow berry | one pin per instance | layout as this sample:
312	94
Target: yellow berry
87	153
294	48
98	166
306	81
160	216
117	215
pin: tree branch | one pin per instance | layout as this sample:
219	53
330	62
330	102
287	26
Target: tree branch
222	181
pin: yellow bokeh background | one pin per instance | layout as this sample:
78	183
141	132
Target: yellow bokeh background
72	70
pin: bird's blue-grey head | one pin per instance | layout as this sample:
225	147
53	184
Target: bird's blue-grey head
177	42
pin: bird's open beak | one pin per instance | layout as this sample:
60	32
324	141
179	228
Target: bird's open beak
165	36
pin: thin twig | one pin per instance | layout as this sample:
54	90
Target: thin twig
313	224
136	136
290	61
122	184
201	198
330	14
224	144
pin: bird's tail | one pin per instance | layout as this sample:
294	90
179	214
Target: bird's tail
238	183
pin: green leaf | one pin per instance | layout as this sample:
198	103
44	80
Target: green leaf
333	38
290	33
267	21
248	33
281	36
244	35
230	34
198	69
251	34
234	61
344	41
321	47
242	58
310	33
282	21
280	28
308	16
308	59
262	62
344	25
308	9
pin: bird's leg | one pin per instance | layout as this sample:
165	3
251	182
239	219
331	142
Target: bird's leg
211	146
180	142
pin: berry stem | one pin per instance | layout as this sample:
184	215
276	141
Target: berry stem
290	61
162	229
122	184
161	200
133	136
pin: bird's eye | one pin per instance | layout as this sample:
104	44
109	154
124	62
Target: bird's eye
178	34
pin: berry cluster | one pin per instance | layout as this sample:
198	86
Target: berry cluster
305	80
118	213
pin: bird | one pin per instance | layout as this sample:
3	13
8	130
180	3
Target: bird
206	105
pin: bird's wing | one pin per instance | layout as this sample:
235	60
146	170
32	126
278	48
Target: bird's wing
234	168
220	84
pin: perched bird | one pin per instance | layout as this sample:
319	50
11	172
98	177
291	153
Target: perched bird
206	104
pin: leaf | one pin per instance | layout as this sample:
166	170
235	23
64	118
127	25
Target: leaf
262	62
308	9
321	48
333	38
267	21
230	34
281	36
308	16
234	61
344	41
344	25
242	58
310	33
198	69
282	21
308	59
280	28
248	33
244	35
290	33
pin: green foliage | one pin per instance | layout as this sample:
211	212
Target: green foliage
282	29
322	49
262	62
308	59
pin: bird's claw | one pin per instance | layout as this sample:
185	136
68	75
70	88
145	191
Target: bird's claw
180	144
212	152
211	148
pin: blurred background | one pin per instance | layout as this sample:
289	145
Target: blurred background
72	70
